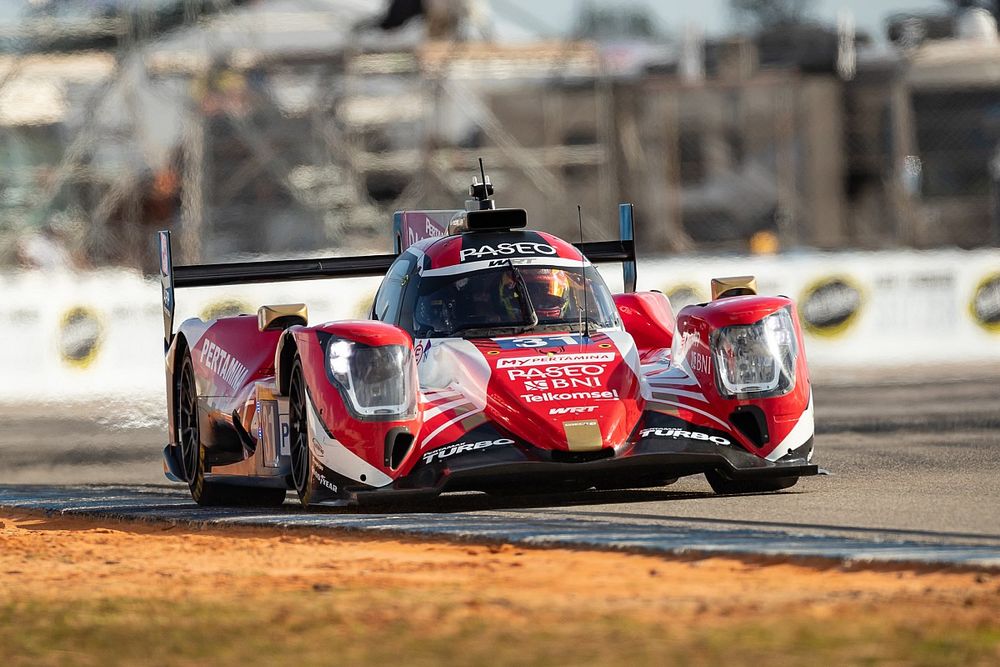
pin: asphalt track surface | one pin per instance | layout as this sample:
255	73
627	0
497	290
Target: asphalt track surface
915	477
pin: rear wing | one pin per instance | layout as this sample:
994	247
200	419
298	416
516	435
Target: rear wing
408	227
241	273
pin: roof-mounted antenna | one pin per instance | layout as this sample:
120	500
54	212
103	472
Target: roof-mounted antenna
583	266
480	193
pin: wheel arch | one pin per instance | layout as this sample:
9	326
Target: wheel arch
284	355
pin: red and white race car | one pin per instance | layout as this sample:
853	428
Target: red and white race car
495	359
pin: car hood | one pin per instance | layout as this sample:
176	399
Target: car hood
560	391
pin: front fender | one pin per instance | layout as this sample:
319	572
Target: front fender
374	439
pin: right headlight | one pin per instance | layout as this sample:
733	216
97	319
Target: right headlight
378	382
756	360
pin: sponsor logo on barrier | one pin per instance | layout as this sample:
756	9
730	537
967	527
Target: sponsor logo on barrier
463	447
985	304
676	433
551	359
225	308
506	249
80	336
223	364
684	295
830	306
573	410
550	397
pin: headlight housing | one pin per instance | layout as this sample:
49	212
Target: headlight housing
377	382
756	360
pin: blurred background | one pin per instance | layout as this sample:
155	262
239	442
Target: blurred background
847	152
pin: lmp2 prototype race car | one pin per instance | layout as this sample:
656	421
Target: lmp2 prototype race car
495	359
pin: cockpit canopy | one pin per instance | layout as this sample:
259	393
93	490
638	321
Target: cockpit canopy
515	297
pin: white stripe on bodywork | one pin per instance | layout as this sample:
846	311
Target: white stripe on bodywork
433	434
798	436
692	409
468	267
434	412
340	459
679	392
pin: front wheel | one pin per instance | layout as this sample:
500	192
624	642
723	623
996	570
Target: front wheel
298	435
193	453
726	486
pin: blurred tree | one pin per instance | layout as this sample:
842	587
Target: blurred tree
615	23
765	14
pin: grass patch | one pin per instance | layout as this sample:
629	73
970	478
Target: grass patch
401	627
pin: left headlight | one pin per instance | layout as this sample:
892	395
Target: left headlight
377	382
757	359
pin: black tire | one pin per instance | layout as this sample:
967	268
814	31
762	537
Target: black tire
299	436
193	453
726	486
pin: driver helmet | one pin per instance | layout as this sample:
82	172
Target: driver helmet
549	292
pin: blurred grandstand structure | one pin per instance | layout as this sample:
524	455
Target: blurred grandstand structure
293	126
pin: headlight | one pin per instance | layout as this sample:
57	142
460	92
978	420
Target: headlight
757	359
377	382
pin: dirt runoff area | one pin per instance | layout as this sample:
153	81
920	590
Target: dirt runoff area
98	592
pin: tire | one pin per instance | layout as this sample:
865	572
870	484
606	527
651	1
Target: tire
724	486
299	436
193	453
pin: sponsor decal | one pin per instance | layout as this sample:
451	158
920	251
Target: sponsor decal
985	304
225	308
538	342
568	371
164	255
463	447
80	335
579	410
700	362
420	350
550	397
676	433
562	383
324	481
585	358
520	248
830	306
223	364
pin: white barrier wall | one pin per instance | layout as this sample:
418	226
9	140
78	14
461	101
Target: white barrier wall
100	334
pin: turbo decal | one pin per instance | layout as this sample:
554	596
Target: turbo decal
676	433
505	249
552	359
223	364
463	447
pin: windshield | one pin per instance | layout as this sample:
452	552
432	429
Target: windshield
510	298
